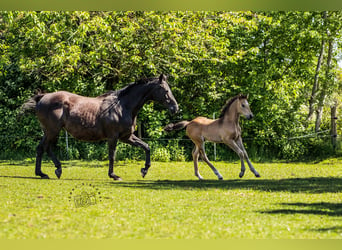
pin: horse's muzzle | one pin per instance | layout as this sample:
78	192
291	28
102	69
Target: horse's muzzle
250	116
174	109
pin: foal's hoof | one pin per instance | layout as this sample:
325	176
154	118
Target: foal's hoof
241	174
257	175
220	178
143	172
58	172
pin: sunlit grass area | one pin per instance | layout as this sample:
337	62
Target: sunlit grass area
290	200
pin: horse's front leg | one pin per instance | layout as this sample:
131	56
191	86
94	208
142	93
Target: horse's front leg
240	144
136	141
111	153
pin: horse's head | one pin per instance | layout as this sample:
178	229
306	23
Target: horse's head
163	94
243	107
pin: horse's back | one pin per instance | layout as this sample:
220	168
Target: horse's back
63	108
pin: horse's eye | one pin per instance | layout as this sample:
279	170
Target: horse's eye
243	105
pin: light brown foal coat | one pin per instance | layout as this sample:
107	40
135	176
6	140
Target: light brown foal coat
225	130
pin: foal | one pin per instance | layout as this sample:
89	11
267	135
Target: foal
225	129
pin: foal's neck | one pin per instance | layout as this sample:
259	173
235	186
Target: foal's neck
231	114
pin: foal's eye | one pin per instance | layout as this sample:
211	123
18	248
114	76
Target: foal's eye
243	105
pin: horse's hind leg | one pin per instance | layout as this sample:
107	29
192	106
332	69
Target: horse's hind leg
195	155
111	150
55	161
51	140
40	152
205	158
46	145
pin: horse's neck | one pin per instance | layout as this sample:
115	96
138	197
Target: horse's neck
136	96
231	115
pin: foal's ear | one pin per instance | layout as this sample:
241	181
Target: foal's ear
162	78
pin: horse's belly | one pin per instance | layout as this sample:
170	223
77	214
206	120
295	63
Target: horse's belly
85	133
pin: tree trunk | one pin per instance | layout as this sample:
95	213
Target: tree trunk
333	132
315	86
323	90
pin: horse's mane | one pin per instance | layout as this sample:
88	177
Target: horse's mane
229	103
129	86
111	92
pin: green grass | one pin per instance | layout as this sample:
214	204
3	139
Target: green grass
290	200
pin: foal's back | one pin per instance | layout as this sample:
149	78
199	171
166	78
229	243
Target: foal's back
203	128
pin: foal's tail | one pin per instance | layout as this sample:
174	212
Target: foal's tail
30	105
176	126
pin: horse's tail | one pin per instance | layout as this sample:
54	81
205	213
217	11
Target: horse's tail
176	126
30	105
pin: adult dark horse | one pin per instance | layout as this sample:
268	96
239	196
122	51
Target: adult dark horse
111	116
225	129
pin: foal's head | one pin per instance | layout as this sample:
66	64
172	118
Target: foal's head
240	104
243	107
162	93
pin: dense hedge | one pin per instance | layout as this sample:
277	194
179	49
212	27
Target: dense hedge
208	56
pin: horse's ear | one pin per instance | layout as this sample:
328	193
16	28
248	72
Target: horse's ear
242	96
162	78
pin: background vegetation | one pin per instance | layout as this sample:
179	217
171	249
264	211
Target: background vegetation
285	61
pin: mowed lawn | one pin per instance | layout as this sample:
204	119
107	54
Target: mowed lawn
290	200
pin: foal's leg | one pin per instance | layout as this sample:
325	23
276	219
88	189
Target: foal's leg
240	144
40	151
195	155
136	141
111	152
205	158
233	145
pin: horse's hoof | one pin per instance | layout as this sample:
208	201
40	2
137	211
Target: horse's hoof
241	174
220	178
58	172
257	175
44	176
143	172
116	178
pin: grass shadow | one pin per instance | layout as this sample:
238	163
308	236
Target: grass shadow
337	229
319	208
50	179
293	185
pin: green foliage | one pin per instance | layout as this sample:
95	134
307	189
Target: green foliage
208	56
